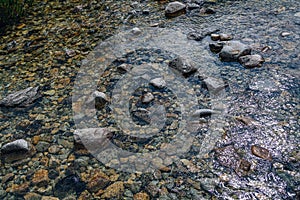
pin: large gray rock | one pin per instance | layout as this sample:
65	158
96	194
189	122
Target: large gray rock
174	9
16	150
251	61
21	98
232	50
17	145
184	66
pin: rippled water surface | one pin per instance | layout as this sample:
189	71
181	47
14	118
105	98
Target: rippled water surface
60	43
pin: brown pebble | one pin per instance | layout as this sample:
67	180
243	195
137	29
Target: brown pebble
141	196
261	152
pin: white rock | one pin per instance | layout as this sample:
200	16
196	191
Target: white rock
158	82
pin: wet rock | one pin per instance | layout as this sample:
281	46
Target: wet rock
141	196
15	146
251	61
68	186
146	98
136	31
199	35
245	120
42	146
94	139
21	98
124	67
195	36
97	99
261	152
208	11
70	53
285	34
184	66
216	47
7	177
19	189
243	167
158	82
49	198
232	50
16	150
215	36
192	6
225	37
174	9
98	181
40	178
214	84
115	190
152	189
142	114
204	113
266	48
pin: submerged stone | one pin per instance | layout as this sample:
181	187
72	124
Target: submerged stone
184	66
251	61
21	98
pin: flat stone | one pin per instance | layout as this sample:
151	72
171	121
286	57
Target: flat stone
251	61
158	82
21	98
232	50
261	152
184	66
174	9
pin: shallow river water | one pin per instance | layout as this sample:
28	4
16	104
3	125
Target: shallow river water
143	141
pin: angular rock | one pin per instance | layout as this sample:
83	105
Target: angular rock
146	98
97	99
192	6
251	61
232	50
158	82
216	47
142	114
94	139
21	98
174	9
214	84
185	67
261	152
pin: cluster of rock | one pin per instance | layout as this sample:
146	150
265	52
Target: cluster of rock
234	51
176	8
